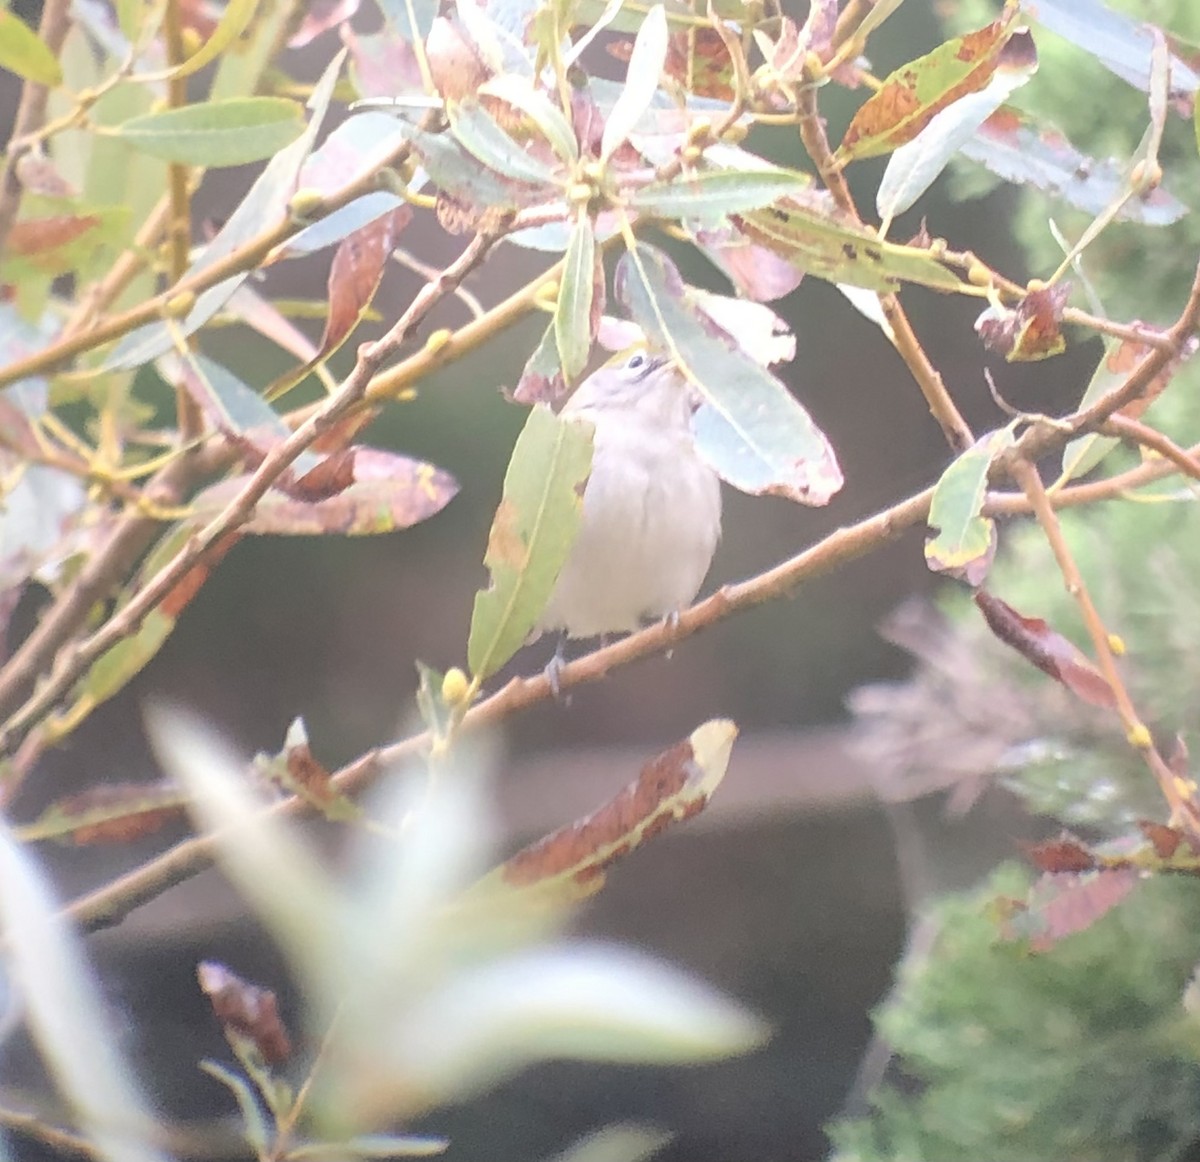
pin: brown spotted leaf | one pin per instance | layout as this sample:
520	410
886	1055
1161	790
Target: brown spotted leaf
1047	649
916	92
245	1010
570	863
110	813
1030	332
1165	840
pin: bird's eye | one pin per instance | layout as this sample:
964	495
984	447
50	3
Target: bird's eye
636	362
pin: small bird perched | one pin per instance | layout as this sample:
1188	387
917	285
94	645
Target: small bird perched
651	507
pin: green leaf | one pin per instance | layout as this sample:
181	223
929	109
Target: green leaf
462	176
478	133
521	95
23	52
254	1123
573	311
641	81
713	194
750	429
217	133
914	166
916	92
618	1143
235	19
531	535
815	242
262	207
965	540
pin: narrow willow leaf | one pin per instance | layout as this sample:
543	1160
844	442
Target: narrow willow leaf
370	1146
571	863
710	196
641	81
1020	150
235	19
964	540
24	53
217	133
818	244
587	1002
915	93
340	224
573	311
478	133
1122	44
914	166
617	1143
261	207
64	1009
750	429
531	535
520	93
254	1122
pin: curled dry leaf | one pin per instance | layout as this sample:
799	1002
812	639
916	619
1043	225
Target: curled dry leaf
672	787
245	1010
1165	840
1030	332
1047	649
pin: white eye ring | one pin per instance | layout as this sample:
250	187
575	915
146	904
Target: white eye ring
636	362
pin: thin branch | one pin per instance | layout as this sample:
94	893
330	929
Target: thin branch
238	261
956	430
1126	428
1141	333
74	664
1179	793
31	112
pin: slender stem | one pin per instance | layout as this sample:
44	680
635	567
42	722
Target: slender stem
1140	333
1179	793
31	113
956	430
244	258
1130	429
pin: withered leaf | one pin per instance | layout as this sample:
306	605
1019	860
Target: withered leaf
1047	649
110	813
245	1009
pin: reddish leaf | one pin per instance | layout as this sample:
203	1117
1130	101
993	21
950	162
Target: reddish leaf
1064	854
1064	904
245	1010
35	235
1165	840
296	770
758	273
1122	360
1047	649
111	813
356	273
181	594
381	65
1033	331
672	787
384	492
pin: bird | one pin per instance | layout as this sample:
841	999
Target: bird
651	515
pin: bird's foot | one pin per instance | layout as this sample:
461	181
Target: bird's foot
554	669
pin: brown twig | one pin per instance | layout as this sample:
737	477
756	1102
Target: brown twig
956	430
31	112
1179	793
1126	428
73	665
244	258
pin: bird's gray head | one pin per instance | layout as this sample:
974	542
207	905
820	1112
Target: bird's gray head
637	381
